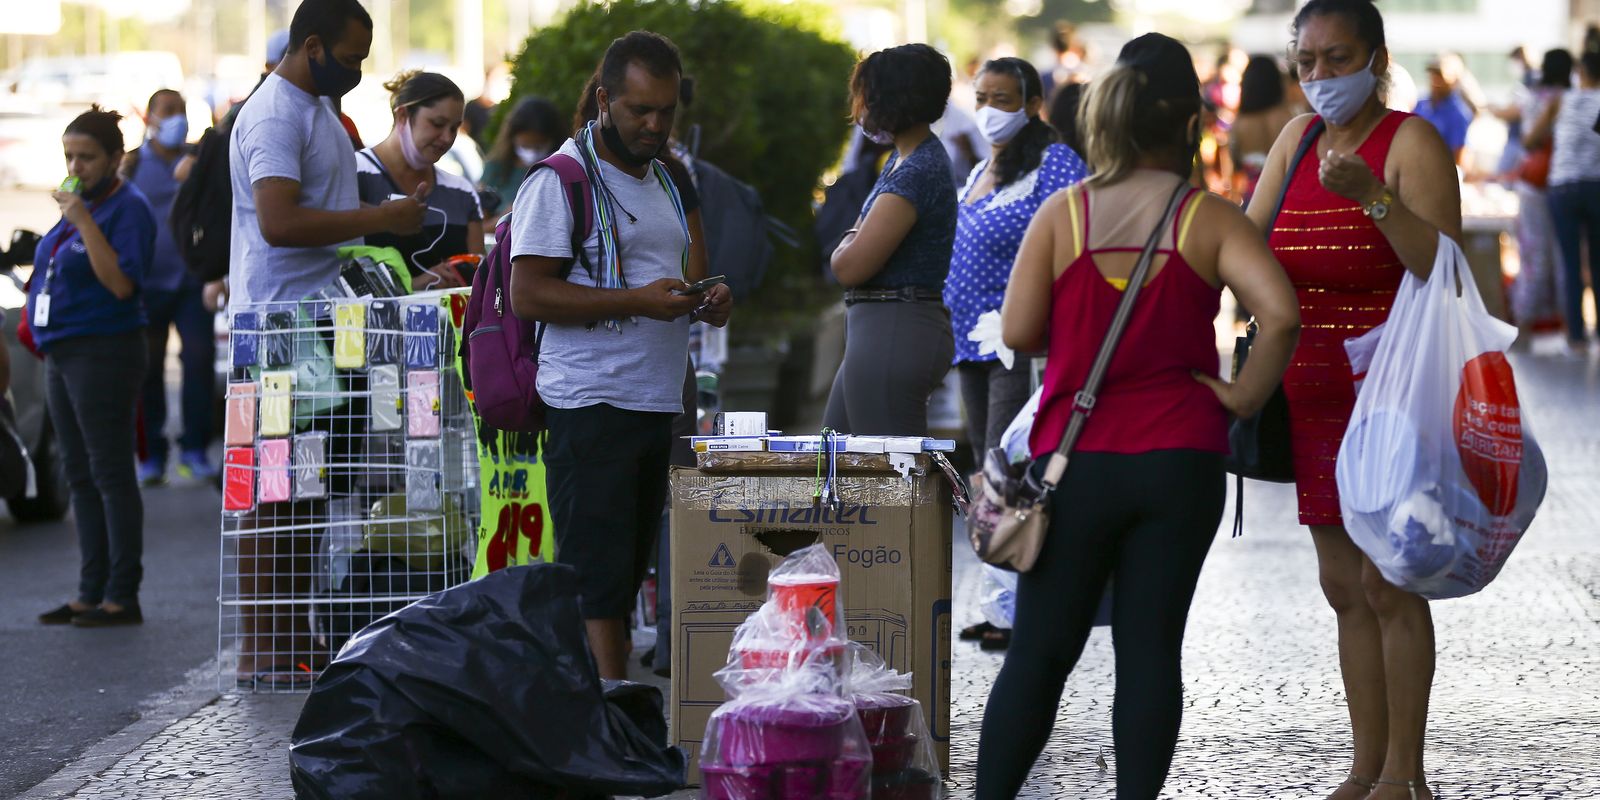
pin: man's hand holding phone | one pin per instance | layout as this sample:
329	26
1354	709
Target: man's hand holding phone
717	307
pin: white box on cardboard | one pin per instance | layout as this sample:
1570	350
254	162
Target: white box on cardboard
892	543
740	423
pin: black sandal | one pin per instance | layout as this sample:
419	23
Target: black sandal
976	633
60	616
996	640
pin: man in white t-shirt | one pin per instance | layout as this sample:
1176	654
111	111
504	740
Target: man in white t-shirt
612	358
294	203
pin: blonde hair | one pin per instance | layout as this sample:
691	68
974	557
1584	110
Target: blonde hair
1126	117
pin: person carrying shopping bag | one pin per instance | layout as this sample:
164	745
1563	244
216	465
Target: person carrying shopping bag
1146	475
1366	204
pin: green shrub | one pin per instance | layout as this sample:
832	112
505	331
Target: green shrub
771	97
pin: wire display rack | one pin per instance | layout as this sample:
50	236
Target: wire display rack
350	478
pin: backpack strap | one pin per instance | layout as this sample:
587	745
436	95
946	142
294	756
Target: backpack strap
575	186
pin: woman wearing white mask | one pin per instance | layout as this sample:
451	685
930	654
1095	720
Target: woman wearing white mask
1003	193
1367	203
529	134
428	109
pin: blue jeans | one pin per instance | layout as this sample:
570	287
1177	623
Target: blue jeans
1575	213
186	309
91	383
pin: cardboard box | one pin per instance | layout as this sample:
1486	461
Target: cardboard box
892	542
740	423
728	444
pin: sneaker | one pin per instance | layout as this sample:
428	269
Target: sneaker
152	472
193	465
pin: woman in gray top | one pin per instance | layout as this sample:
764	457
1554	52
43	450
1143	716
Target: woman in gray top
893	262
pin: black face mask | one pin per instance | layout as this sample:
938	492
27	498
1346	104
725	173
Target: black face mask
613	140
332	78
99	190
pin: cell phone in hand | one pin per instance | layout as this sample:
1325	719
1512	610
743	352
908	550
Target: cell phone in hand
700	287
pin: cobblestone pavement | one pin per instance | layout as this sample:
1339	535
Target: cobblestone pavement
1516	709
1516	704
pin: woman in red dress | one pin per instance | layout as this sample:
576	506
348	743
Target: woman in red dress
1368	202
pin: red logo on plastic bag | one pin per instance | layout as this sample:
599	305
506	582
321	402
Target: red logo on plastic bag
1488	429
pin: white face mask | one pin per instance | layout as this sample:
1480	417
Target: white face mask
999	127
529	155
1339	99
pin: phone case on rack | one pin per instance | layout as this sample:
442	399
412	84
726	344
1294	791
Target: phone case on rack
350	336
422	476
272	456
243	337
422	336
277	340
239	479
384	381
275	415
311	465
240	429
384	467
383	347
422	404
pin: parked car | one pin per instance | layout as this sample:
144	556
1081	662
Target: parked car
52	496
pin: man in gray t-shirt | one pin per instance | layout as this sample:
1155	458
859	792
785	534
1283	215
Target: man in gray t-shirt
611	363
294	173
294	203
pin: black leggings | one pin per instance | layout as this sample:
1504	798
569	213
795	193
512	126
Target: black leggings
1145	521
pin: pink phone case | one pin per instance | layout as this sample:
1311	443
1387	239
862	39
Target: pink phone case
273	457
239	479
241	427
422	404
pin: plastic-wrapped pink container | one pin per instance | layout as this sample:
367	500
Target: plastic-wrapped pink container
911	784
887	716
784	731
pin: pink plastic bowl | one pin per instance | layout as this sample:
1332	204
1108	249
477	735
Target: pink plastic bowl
886	716
785	732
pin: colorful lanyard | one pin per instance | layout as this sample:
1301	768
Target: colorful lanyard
610	266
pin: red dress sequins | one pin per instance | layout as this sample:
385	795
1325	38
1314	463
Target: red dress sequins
1346	275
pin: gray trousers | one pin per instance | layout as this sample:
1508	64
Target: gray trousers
91	389
991	396
895	355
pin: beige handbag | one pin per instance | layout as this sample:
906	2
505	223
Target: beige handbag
1011	512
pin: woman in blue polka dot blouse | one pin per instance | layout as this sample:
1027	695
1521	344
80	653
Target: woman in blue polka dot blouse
1003	193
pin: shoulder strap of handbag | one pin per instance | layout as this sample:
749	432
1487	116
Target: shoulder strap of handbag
1083	402
1306	141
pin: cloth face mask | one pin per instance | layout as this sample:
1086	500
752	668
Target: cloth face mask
1339	99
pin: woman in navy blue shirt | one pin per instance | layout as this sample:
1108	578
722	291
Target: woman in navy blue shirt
893	262
87	318
1001	197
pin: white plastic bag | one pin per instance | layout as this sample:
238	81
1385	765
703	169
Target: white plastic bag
1015	440
998	597
1439	475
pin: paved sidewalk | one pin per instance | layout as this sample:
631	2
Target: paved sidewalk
1516	709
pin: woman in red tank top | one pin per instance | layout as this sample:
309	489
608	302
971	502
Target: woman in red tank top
1366	203
1143	495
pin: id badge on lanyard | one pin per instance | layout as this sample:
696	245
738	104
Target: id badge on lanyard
41	304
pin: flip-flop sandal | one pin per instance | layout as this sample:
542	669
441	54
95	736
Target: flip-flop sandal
998	639
976	633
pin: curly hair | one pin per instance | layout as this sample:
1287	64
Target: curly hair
99	125
894	89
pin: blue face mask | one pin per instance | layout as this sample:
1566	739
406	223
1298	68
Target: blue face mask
171	132
1339	99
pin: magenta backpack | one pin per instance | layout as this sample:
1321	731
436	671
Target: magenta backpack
499	350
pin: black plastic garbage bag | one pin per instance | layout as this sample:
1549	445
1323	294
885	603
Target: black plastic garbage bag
486	690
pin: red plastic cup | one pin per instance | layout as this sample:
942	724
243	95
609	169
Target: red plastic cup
797	596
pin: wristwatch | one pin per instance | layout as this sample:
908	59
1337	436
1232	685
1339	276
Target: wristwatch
1379	208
